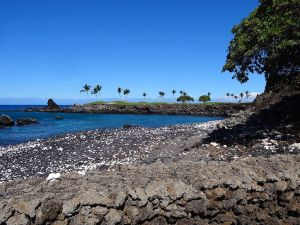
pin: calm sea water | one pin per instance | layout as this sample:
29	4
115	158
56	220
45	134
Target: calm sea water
48	126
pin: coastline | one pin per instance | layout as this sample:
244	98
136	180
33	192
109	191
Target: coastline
222	109
153	176
108	149
98	150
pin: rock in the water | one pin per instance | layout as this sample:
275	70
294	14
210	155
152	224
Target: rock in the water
59	117
26	121
52	104
128	126
6	121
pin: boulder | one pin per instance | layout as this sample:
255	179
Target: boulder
52	104
6	121
26	121
113	217
128	126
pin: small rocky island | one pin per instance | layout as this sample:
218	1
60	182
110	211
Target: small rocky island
220	109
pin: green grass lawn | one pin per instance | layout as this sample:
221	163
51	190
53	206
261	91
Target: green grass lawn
153	103
127	103
97	103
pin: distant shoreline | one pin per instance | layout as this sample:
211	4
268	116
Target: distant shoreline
219	109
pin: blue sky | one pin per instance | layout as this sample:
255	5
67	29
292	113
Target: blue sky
51	48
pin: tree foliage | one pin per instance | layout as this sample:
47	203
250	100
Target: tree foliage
97	89
185	98
126	92
161	94
86	88
204	98
119	91
267	41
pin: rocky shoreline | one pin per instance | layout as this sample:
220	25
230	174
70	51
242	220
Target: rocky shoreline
107	149
234	171
223	110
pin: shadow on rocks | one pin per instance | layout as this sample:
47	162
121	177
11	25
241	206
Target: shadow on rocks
279	121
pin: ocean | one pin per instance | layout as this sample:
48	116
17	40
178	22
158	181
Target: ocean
49	126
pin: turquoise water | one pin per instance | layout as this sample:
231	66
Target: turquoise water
48	126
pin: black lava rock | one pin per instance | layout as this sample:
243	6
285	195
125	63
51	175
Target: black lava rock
128	126
6	121
52	104
26	121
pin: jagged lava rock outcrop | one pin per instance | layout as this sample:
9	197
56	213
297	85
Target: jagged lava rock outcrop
6	121
248	191
26	121
52	105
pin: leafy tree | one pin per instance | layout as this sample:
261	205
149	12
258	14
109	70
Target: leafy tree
144	94
267	41
120	91
209	94
86	88
126	92
204	98
185	98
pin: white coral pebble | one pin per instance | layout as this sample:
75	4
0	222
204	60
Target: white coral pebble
53	176
214	144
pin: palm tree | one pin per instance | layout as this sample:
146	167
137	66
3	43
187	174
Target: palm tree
241	95
236	97
183	93
120	91
97	89
86	88
161	94
94	91
173	93
228	95
144	94
208	94
126	92
247	93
